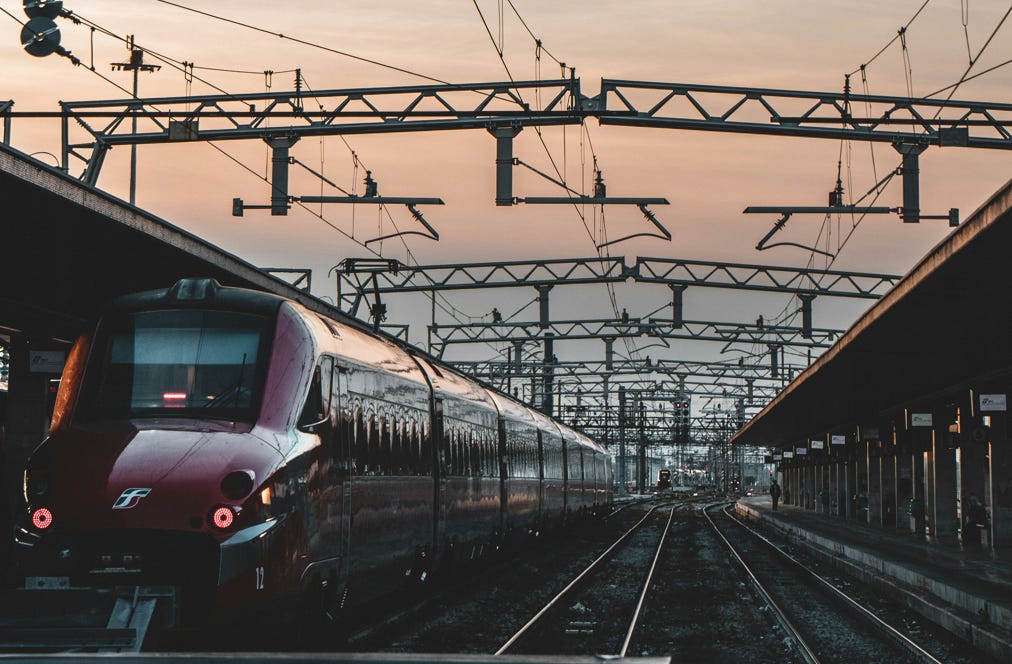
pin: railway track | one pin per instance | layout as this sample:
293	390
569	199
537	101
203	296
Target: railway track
582	618
823	623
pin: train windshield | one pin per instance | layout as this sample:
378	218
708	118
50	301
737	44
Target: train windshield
177	363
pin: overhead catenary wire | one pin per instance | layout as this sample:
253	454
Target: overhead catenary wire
186	68
561	176
900	36
304	42
892	41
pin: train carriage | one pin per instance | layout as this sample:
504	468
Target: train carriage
521	468
553	470
255	456
467	485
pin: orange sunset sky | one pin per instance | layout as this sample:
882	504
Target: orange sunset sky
709	177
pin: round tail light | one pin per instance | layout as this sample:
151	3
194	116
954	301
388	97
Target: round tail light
222	517
42	518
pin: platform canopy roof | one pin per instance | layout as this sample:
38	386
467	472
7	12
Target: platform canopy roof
945	328
67	248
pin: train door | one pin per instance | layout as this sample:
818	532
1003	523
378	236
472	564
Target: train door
439	472
566	486
340	471
325	479
317	491
540	451
504	472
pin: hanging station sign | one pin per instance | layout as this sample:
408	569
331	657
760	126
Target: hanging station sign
992	403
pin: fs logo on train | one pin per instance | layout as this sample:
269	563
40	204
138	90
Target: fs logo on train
129	498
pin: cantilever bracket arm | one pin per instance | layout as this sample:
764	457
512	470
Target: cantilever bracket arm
762	246
432	234
664	234
787	210
591	200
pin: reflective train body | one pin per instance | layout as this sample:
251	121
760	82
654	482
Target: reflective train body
255	455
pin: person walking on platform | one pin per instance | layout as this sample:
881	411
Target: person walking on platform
775	494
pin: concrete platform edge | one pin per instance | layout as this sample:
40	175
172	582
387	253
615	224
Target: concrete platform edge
953	609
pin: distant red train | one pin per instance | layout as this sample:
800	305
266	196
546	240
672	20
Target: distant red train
255	455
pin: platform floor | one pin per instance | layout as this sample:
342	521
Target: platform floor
967	591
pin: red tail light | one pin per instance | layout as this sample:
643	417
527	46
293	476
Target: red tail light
42	518
222	517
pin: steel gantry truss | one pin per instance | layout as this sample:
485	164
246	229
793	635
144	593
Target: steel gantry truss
288	116
281	119
895	120
443	335
265	116
578	380
360	278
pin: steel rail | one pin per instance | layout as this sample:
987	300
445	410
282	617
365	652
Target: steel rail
806	652
572	584
882	626
646	584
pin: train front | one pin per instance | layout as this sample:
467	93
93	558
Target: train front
157	469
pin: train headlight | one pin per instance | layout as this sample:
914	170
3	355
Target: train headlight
222	517
42	518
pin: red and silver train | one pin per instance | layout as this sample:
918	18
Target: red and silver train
251	453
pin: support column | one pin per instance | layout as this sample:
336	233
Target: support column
888	476
973	469
874	493
918	491
832	482
942	483
861	482
824	487
850	481
904	480
1000	484
279	173
819	486
504	163
810	490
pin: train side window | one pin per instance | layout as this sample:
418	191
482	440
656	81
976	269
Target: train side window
316	410
357	433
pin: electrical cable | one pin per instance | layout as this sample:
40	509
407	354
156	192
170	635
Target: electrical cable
970	78
531	33
974	61
304	42
499	52
174	63
16	19
893	40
